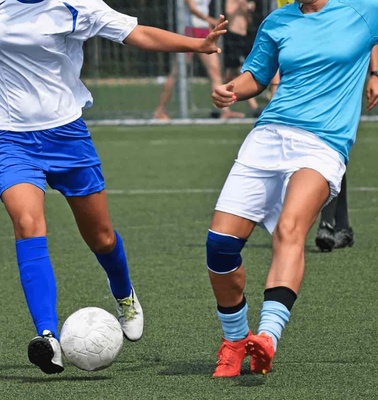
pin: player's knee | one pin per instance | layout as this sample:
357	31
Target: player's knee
28	225
223	252
102	241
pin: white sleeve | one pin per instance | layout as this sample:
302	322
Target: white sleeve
95	18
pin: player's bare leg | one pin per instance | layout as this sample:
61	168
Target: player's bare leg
25	205
306	193
228	285
93	220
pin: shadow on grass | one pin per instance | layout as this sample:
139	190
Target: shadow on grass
45	378
206	369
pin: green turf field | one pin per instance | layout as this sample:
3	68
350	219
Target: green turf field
121	99
139	100
163	183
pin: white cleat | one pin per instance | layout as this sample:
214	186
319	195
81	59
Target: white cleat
130	316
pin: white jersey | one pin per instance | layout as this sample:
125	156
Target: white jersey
41	57
203	6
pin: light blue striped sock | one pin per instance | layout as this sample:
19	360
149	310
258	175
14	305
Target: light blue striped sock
235	326
273	318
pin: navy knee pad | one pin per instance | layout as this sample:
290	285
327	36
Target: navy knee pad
223	252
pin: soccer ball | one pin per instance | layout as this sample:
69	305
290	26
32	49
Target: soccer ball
91	338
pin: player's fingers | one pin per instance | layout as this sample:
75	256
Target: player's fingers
221	24
372	97
230	86
372	102
215	34
368	94
223	93
222	101
221	19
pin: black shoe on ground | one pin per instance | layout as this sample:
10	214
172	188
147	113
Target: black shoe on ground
325	237
44	351
215	114
344	238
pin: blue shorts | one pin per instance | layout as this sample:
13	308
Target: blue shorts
64	157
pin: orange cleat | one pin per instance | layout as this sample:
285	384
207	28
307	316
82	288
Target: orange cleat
261	349
230	357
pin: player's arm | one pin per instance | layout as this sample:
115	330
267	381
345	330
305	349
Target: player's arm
195	11
155	39
372	85
243	87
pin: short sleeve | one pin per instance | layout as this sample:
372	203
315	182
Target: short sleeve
95	18
262	61
368	9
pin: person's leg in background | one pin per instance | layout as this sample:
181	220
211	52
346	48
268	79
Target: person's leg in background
344	235
334	231
166	94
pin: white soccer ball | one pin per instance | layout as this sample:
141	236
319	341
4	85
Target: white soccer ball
91	338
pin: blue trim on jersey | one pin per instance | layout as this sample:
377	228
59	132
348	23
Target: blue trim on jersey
74	13
30	1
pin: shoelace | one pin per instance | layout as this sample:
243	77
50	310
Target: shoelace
127	308
47	334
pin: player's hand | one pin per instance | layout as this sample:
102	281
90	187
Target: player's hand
212	22
224	96
372	92
210	44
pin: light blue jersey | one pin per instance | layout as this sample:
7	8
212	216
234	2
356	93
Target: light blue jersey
322	58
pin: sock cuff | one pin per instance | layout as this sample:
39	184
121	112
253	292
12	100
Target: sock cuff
281	294
31	249
234	309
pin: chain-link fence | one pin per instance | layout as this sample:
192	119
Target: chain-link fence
126	82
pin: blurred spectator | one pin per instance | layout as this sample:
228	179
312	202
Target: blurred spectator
198	25
237	44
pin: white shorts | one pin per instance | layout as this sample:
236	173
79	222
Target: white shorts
256	185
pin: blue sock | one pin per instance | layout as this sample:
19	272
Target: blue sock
115	266
38	282
235	326
273	318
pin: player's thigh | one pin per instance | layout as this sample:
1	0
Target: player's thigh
22	189
247	197
231	224
306	193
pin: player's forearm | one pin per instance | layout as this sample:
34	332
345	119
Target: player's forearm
155	39
246	86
